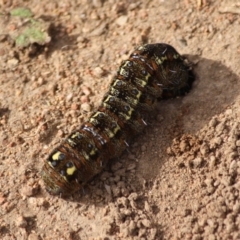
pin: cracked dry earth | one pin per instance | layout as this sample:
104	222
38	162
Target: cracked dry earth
180	179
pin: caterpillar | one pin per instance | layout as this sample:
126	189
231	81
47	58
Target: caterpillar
152	71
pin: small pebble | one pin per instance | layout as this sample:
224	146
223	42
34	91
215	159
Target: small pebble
212	162
233	167
12	62
238	143
74	106
97	3
98	72
85	89
197	162
85	107
146	223
122	20
33	236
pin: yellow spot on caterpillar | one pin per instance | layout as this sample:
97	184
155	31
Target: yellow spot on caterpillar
71	142
128	115
93	152
110	133
71	170
105	105
114	91
175	56
96	115
85	155
56	155
116	129
108	100
138	95
75	135
123	72
130	111
117	84
142	47
93	120
159	61
143	82
126	63
133	101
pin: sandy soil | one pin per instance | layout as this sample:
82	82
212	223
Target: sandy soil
180	179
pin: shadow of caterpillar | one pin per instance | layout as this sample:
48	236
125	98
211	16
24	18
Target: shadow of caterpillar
152	71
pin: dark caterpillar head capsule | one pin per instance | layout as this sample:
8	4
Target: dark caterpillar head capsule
59	176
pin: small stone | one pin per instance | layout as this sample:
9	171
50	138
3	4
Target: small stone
238	143
84	99
141	232
127	212
233	167
122	20
229	112
98	72
28	191
69	97
232	8
208	182
85	107
131	166
147	207
33	236
133	196
108	189
219	128
196	237
116	166
183	146
197	162
169	151
204	149
211	237
213	122
236	207
12	62
120	172
86	90
212	162
146	223
97	3
124	230
123	201
202	222
229	227
99	30
74	106
153	233
40	81
116	191
131	227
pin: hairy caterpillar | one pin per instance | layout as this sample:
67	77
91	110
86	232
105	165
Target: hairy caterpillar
152	71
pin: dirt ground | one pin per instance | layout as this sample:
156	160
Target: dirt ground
180	179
